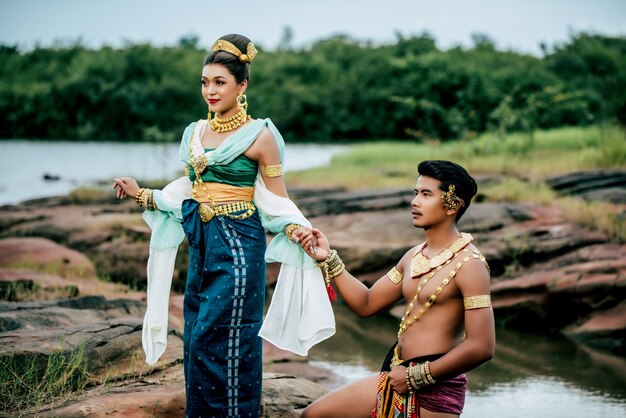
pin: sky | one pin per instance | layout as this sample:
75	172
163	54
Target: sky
517	25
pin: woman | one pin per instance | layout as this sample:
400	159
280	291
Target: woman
234	188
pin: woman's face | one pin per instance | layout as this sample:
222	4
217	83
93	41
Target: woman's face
220	89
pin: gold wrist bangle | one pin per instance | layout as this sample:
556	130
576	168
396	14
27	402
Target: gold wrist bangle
289	230
145	199
331	267
139	197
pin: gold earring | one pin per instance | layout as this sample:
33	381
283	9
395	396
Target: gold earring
209	113
242	101
450	199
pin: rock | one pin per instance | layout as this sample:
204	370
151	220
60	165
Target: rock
63	313
564	291
606	329
111	347
286	396
46	255
607	185
335	202
19	284
163	395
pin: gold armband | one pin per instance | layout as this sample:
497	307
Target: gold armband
273	170
394	275
477	302
290	228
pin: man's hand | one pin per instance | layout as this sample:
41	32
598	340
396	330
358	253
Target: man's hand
397	379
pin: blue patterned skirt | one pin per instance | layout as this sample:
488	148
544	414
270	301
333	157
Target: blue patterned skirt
223	310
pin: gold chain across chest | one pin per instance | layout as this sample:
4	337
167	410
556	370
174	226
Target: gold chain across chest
407	320
210	210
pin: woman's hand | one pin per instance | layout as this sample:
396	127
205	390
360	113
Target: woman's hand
304	236
125	186
321	247
397	379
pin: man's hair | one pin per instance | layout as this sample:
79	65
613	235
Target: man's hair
449	173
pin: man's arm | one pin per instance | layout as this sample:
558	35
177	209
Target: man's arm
480	341
362	300
366	301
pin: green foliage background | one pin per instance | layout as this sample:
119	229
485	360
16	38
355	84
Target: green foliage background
338	88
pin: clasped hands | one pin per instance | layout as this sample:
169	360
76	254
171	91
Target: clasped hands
313	241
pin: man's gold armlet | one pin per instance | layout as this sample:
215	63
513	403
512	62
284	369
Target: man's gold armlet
477	302
394	275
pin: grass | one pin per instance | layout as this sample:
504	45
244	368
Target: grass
26	383
520	164
597	216
393	163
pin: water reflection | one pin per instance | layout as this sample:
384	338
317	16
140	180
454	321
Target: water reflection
530	375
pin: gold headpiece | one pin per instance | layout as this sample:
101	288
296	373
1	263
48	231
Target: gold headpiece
450	198
222	45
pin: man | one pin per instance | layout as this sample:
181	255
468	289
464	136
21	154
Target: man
448	326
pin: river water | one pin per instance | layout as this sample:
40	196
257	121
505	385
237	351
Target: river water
24	163
530	376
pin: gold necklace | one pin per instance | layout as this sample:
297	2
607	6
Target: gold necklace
231	123
420	264
407	321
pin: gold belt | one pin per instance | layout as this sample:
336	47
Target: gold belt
207	212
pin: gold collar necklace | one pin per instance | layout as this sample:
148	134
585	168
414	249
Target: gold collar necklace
229	124
420	264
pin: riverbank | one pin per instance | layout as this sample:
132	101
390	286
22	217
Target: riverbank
85	255
72	280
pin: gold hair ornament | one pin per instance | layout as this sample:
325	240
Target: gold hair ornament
222	45
450	198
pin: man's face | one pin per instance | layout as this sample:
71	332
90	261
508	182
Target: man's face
427	208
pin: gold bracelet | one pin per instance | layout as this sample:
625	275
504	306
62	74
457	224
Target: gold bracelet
273	170
408	379
477	302
289	230
428	377
138	196
145	198
332	266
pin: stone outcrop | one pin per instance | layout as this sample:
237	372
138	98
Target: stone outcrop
605	185
120	382
548	275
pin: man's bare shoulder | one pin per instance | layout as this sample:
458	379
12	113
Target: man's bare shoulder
474	272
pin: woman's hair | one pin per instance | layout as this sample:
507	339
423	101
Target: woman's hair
449	173
239	69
